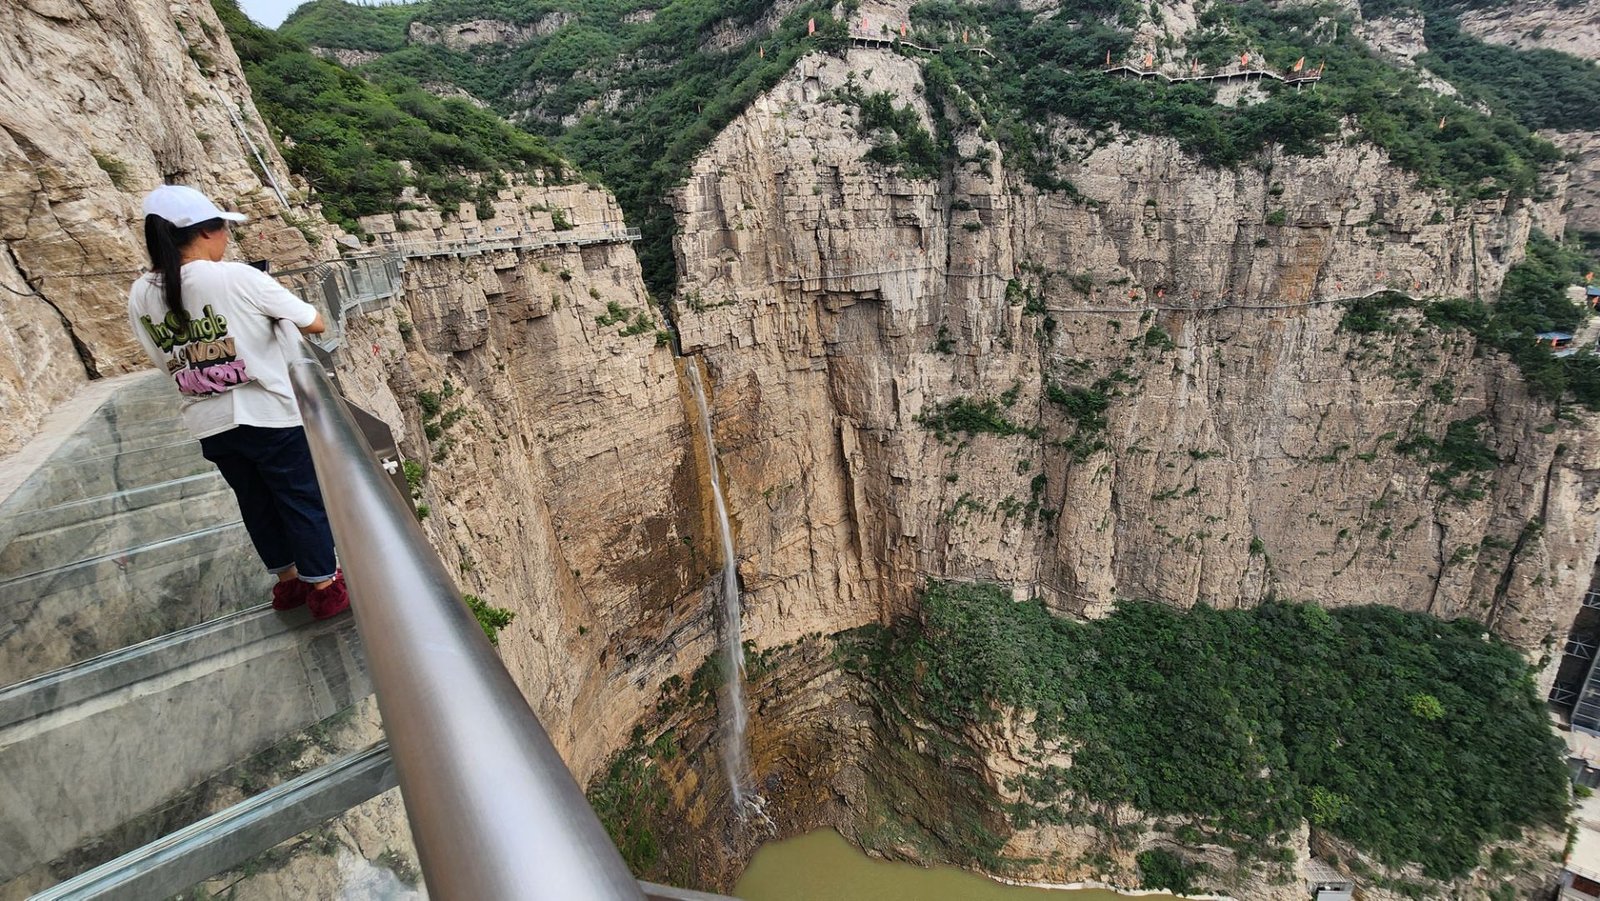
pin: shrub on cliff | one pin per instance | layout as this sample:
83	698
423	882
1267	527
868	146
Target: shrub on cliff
1248	721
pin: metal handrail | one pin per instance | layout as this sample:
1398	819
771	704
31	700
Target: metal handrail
493	808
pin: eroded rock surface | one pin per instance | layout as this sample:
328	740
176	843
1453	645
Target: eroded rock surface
839	306
79	146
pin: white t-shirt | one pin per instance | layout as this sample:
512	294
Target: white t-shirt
225	357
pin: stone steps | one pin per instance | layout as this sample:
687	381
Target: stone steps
93	746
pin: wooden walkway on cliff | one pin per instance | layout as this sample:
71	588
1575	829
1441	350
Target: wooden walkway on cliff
1246	75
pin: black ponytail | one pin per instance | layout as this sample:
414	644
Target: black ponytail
166	243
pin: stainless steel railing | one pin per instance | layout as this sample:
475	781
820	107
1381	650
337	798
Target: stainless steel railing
493	808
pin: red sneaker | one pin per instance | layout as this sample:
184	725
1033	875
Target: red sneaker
330	601
289	595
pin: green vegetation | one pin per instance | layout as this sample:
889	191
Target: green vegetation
114	169
1246	721
1086	409
349	135
1160	869
1047	70
1541	88
1460	453
898	139
330	24
1532	300
628	798
970	416
493	619
666	91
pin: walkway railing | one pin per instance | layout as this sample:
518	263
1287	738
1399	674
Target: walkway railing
1310	77
493	808
488	243
363	282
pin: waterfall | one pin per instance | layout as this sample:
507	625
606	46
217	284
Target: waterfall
731	702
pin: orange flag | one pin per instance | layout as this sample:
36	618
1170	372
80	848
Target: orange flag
811	25
902	29
1149	60
963	35
1244	59
1299	64
1588	276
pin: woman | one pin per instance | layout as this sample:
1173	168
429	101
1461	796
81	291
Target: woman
209	324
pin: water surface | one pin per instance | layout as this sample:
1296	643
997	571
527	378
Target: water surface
822	866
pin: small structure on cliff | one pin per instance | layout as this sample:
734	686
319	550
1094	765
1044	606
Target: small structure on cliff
1326	883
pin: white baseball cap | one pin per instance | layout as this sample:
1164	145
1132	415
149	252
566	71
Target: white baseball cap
184	206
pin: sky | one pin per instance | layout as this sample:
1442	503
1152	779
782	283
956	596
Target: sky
270	13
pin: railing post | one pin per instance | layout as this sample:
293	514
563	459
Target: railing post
493	808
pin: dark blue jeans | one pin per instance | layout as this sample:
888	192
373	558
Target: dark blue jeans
271	474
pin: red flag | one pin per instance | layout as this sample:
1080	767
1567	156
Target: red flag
1194	65
811	26
864	25
1299	64
1244	59
1149	60
902	29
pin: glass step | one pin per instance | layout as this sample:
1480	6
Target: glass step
55	618
112	748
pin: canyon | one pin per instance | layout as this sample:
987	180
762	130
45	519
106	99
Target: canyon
1242	442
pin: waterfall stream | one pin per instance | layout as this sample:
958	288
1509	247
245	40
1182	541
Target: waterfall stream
731	702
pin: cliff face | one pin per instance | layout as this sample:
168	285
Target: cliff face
99	102
838	305
1215	435
1569	27
562	477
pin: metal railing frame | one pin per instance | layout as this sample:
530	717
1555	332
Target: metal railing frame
493	809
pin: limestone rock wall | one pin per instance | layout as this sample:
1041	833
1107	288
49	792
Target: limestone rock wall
99	102
1570	27
563	477
1249	443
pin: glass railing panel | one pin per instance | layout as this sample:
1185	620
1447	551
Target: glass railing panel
365	852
